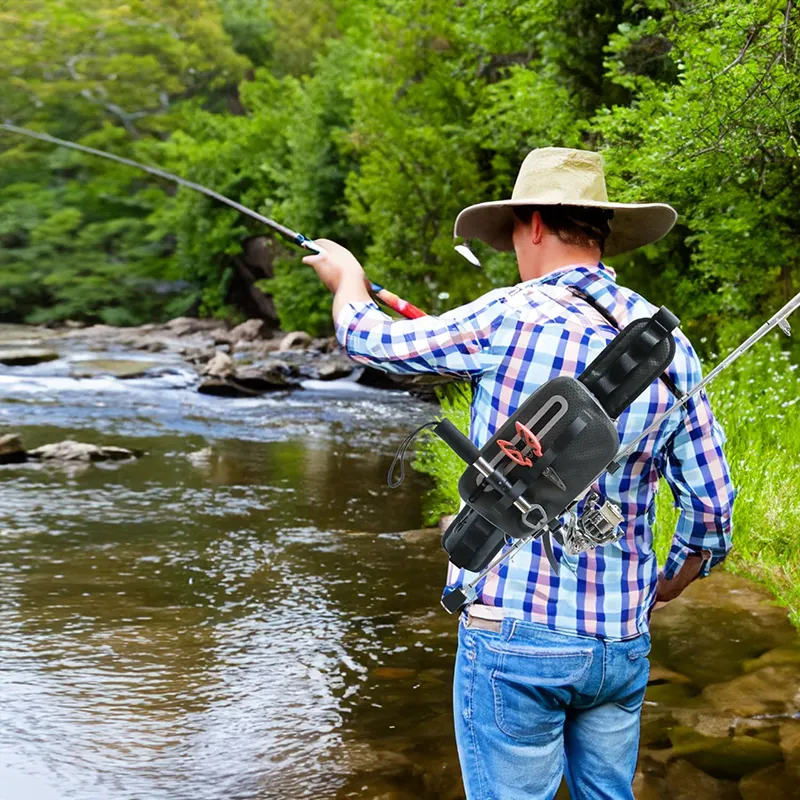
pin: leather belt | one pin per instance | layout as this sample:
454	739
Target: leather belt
494	625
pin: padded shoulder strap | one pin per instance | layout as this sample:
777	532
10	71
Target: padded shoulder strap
611	319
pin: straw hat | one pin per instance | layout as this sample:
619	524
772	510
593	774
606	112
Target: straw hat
552	176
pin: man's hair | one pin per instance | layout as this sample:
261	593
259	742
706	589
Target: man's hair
578	225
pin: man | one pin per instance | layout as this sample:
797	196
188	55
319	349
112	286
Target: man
551	669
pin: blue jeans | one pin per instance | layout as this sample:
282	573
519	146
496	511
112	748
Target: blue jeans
531	704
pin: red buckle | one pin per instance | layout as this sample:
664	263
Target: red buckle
530	439
513	453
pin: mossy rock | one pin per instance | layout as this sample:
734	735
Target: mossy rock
728	758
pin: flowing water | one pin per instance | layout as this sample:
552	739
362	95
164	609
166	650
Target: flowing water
238	613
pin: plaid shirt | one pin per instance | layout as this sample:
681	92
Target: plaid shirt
508	343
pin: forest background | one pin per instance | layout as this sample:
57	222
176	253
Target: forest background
373	123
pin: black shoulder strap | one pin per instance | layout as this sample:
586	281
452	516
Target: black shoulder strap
609	317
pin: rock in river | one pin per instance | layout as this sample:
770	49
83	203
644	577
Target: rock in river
69	450
220	366
296	340
11	449
248	331
26	357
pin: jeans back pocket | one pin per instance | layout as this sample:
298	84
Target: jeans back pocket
532	687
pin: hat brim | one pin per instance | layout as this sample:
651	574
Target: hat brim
634	224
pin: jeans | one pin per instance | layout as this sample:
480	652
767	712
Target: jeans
531	704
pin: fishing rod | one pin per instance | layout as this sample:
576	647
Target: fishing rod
388	298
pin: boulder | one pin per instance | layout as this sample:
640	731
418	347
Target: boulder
771	782
272	374
778	656
685	782
296	340
185	326
728	757
789	737
220	366
771	690
11	449
738	619
333	370
118	367
225	387
26	357
70	450
248	331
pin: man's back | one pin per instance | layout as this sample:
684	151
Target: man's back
511	341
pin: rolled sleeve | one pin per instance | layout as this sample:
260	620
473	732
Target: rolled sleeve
698	474
459	342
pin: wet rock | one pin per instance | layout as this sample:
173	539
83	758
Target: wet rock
118	368
685	782
715	625
154	346
226	387
333	370
220	366
771	782
296	340
185	326
70	450
26	357
660	674
248	331
422	386
647	787
779	656
789	738
326	345
771	690
422	536
11	449
273	374
665	696
728	758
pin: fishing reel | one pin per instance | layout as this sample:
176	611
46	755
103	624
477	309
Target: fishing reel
544	459
598	525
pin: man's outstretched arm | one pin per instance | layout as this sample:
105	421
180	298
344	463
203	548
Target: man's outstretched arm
457	342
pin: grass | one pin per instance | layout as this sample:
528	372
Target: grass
757	402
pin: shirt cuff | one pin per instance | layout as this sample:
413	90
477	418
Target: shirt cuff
350	316
677	557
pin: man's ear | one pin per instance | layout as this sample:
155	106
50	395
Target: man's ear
537	228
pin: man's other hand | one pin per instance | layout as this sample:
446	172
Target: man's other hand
670	589
334	265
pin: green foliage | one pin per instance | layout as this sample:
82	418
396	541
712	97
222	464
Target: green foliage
757	401
433	457
375	126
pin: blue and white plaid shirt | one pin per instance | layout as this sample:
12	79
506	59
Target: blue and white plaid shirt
509	342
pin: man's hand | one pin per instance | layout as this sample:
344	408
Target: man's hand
335	265
669	589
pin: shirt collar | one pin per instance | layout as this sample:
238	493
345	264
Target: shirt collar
572	273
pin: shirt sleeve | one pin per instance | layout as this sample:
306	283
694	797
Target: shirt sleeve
697	472
458	342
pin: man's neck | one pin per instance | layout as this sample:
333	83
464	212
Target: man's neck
566	257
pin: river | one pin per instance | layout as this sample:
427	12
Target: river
241	613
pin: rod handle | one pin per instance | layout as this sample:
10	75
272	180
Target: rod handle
453	437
